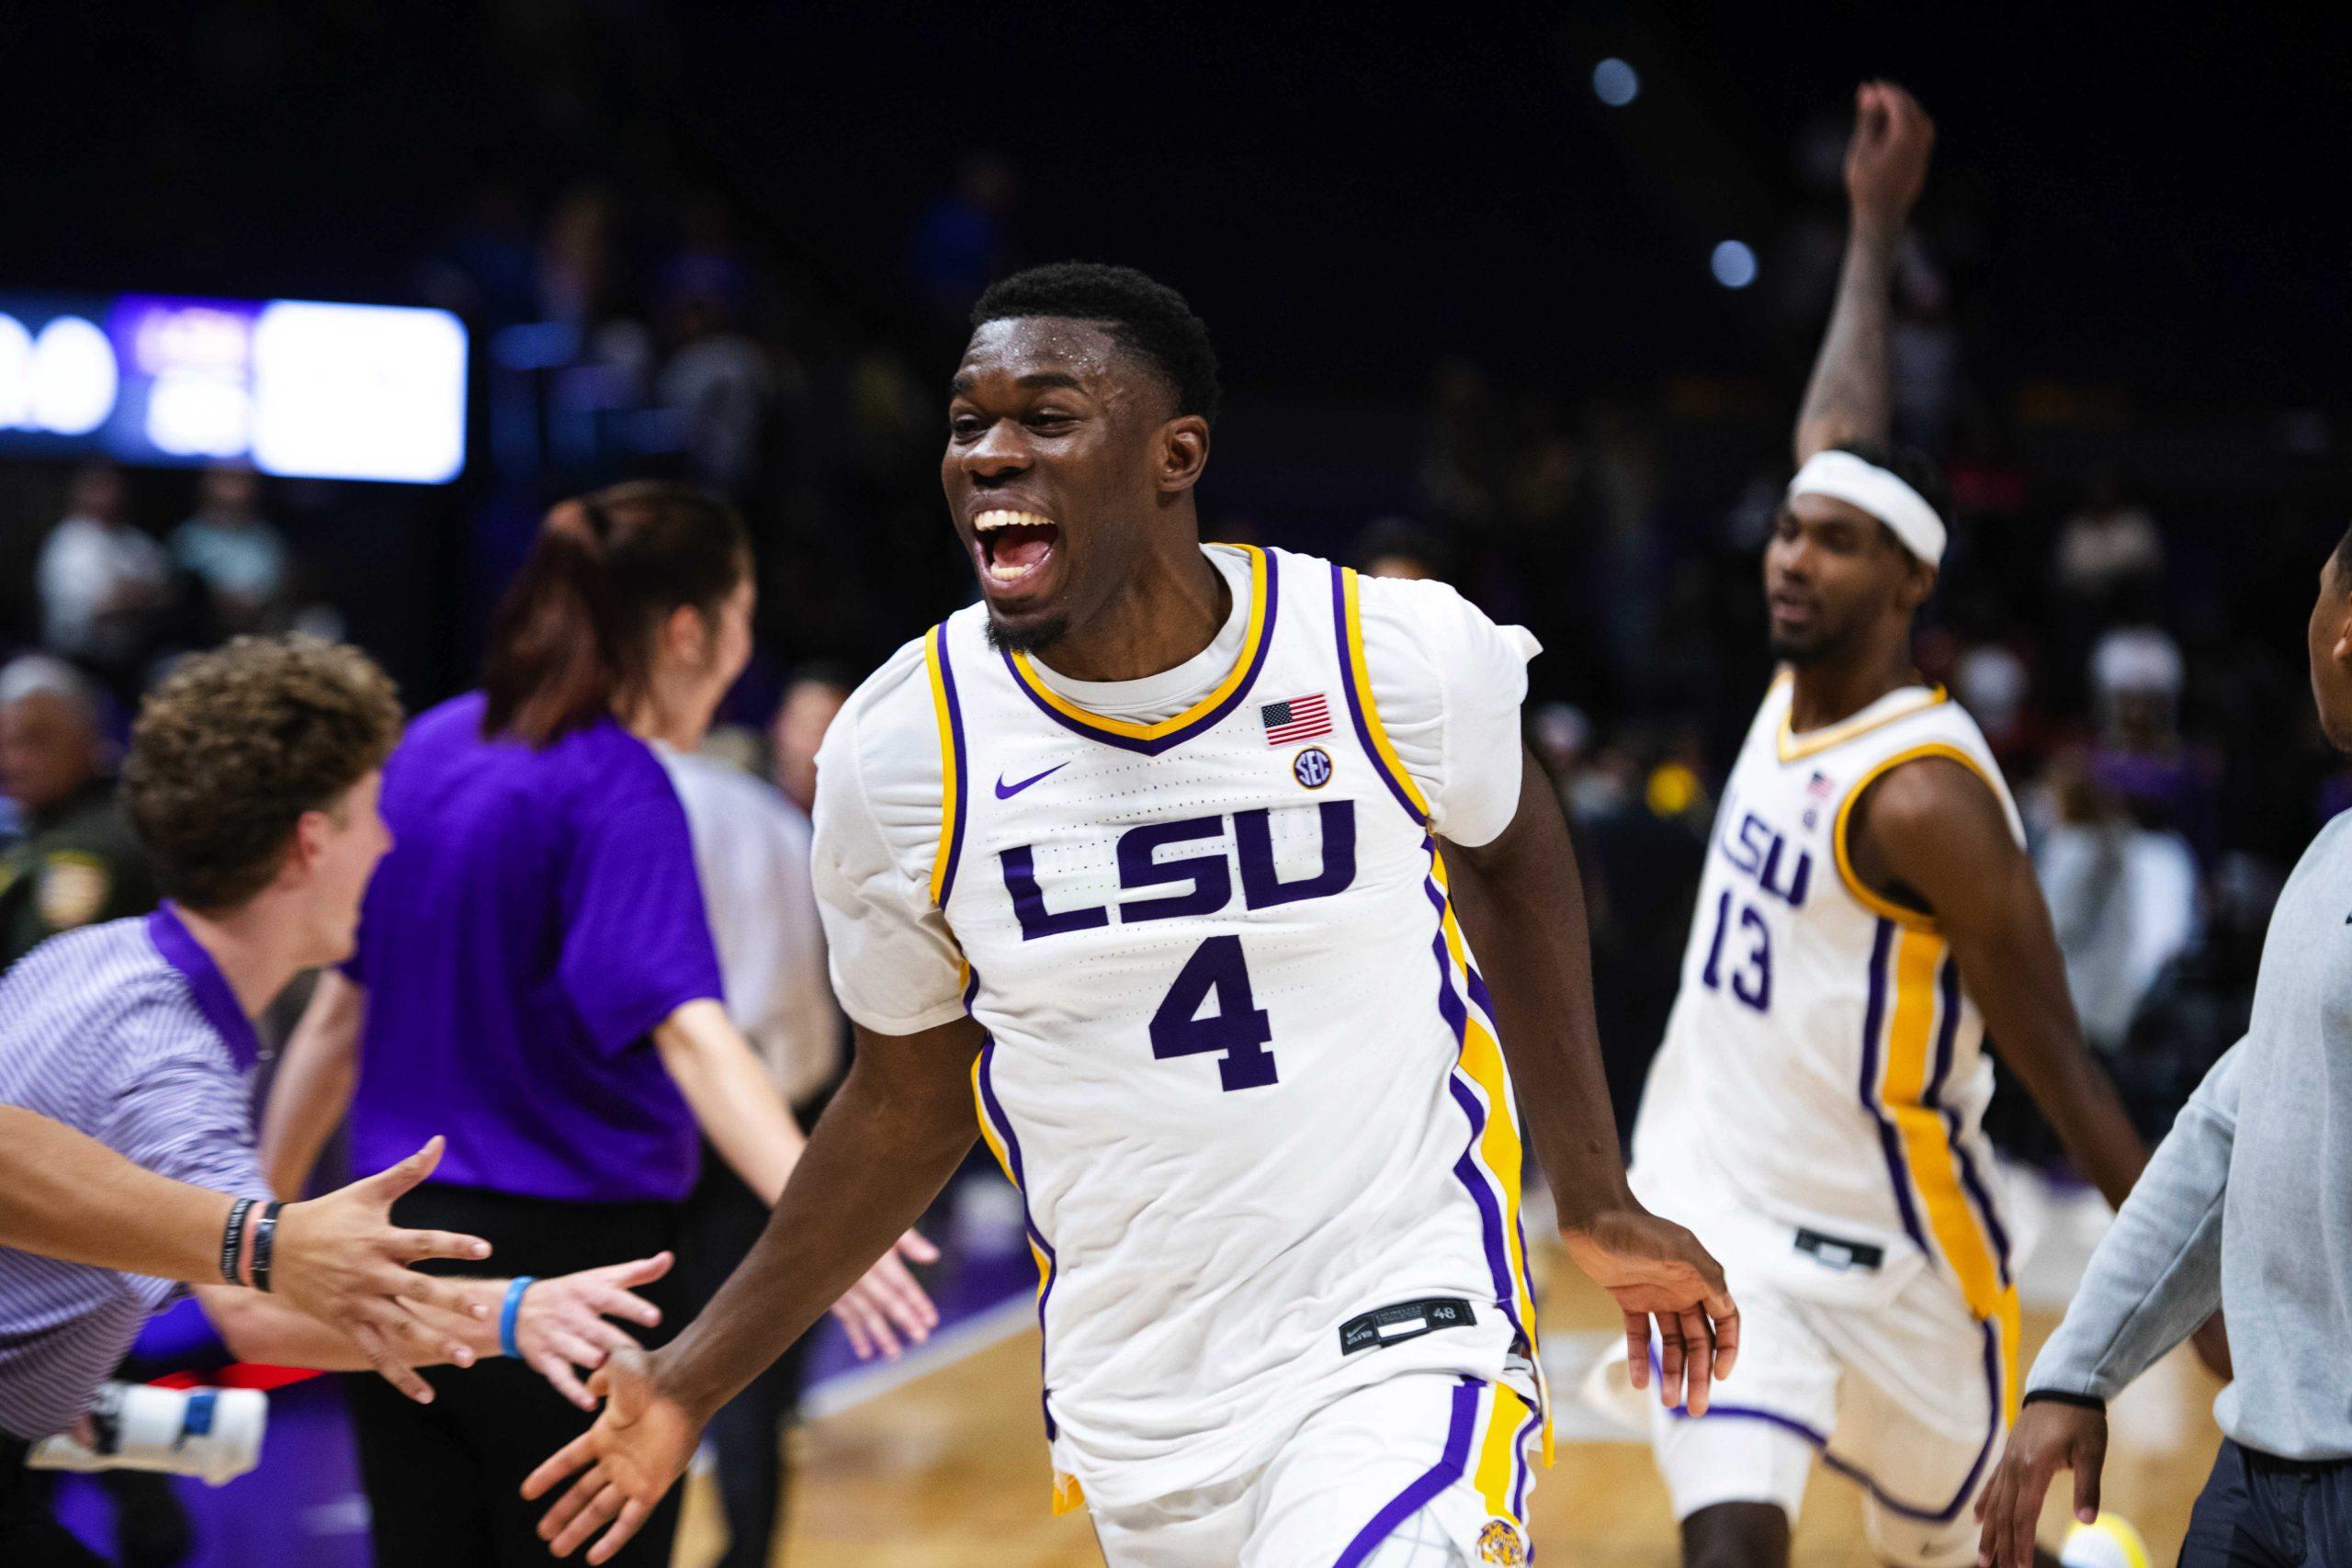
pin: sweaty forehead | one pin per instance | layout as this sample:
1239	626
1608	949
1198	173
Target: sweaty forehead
1033	348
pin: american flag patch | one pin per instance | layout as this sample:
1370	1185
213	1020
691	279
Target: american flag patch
1295	719
1819	787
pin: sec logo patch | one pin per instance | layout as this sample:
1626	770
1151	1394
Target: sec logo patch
1312	767
1500	1541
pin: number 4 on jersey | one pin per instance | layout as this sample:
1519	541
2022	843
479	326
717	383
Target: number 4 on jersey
1238	1027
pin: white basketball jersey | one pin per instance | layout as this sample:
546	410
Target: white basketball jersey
1240	1061
1823	1067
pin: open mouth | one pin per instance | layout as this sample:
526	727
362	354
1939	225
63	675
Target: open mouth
1013	547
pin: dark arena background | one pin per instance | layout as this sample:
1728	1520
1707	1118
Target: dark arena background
1523	302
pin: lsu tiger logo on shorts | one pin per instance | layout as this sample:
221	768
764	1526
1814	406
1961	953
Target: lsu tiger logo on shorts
1500	1541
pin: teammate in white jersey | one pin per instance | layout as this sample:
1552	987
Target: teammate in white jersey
1867	915
1143	854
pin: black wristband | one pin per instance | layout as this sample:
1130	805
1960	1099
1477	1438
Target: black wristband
232	1238
264	1238
2055	1396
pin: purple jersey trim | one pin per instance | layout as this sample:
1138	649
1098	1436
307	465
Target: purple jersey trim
1872	1018
1174	737
1021	1184
1433	1481
214	999
963	773
1358	702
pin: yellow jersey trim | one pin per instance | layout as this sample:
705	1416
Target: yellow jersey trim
1790	746
1027	675
950	786
1878	903
1359	678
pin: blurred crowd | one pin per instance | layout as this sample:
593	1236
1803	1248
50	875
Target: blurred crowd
2130	653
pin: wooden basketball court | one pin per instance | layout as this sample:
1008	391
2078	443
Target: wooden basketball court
949	1470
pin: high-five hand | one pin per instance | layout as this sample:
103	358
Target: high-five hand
1657	1272
634	1453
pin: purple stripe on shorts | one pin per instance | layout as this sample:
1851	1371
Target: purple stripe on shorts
1434	1480
1520	1472
1855	1473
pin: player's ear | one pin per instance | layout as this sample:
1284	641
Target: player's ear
1919	582
1183	452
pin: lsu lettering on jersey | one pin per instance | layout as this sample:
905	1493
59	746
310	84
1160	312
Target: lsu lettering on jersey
1824	1068
1240	1061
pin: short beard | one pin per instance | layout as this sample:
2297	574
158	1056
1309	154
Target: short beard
1803	654
1033	638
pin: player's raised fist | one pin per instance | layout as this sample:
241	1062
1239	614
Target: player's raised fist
1886	161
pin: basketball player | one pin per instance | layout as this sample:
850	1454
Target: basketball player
1867	917
1143	853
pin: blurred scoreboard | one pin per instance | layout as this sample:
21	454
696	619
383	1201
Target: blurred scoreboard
291	386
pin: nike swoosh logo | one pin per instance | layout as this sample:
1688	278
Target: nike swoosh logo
1006	792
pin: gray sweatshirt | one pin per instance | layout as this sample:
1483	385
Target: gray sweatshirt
2247	1204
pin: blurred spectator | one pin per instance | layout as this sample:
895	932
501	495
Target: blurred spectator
234	552
485	271
1459	463
2202	1001
1398	546
807	712
2123	898
964	242
2141	756
76	861
104	585
1994	685
717	386
2110	551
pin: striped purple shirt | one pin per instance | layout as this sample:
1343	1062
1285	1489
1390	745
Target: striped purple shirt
127	1031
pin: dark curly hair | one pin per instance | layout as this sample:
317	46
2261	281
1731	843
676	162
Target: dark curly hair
236	744
1148	318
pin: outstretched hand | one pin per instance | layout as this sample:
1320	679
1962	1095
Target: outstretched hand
627	1461
2050	1436
560	1324
1886	161
887	1302
1659	1273
341	1260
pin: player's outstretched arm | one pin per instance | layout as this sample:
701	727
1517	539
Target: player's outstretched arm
884	1148
1886	162
1934	834
1523	904
311	1093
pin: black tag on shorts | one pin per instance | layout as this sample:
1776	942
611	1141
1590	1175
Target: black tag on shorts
1406	1320
1843	1256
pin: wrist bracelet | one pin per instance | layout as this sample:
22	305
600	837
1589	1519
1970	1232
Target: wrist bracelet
264	1238
232	1238
515	1289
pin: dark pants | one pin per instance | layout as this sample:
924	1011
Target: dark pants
443	1479
2260	1512
30	1535
723	1219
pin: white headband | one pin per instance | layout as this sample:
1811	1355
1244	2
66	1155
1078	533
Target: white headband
1842	475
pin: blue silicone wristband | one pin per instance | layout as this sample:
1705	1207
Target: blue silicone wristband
515	1289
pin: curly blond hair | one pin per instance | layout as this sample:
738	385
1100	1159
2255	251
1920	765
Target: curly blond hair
236	744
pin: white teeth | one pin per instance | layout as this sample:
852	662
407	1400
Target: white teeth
989	521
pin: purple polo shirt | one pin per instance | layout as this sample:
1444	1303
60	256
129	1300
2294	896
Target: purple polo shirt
537	916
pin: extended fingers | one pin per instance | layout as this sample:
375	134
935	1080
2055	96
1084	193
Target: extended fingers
580	1512
581	1451
1726	1337
1699	1362
418	1245
560	1376
432	1291
610	1301
1670	1360
389	1366
632	1515
1637	1348
914	1245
